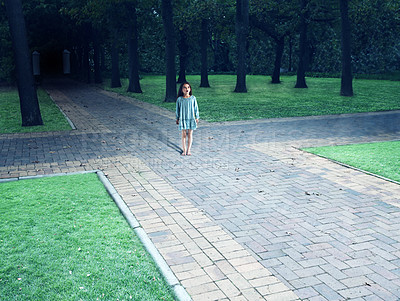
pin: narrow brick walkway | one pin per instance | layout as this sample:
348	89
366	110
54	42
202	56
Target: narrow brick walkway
248	216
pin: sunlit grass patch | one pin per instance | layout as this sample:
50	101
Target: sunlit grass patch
380	158
63	238
267	100
10	114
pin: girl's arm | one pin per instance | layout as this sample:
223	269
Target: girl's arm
177	112
196	110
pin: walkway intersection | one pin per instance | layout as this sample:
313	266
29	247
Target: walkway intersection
249	216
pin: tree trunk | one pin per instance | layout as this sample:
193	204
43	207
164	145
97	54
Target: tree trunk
102	59
203	49
134	80
290	68
280	44
86	63
242	27
87	32
96	57
346	87
115	75
170	89
79	60
301	72
30	111
183	53
221	56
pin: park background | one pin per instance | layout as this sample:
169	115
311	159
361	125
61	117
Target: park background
112	39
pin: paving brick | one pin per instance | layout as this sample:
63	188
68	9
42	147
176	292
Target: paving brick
355	292
285	272
331	282
271	289
358	262
229	289
214	273
225	267
306	292
381	293
307	272
252	294
202	259
179	268
202	288
356	281
208	295
358	271
249	267
303	282
192	274
391	286
239	281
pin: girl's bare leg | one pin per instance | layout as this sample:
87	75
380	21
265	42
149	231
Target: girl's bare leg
190	140
183	142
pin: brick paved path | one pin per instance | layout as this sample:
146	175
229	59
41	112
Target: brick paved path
248	216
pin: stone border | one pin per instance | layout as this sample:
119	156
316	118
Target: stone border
169	276
178	290
72	125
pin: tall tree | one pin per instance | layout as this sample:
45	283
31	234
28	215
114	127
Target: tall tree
183	55
30	111
115	74
96	56
167	15
86	49
242	29
115	23
134	82
346	86
301	69
277	21
203	49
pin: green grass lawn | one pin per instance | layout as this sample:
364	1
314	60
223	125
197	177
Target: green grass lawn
10	114
266	100
380	158
63	238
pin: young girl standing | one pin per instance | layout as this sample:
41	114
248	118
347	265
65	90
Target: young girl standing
187	116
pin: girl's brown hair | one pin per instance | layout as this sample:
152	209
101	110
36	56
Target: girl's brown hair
180	92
